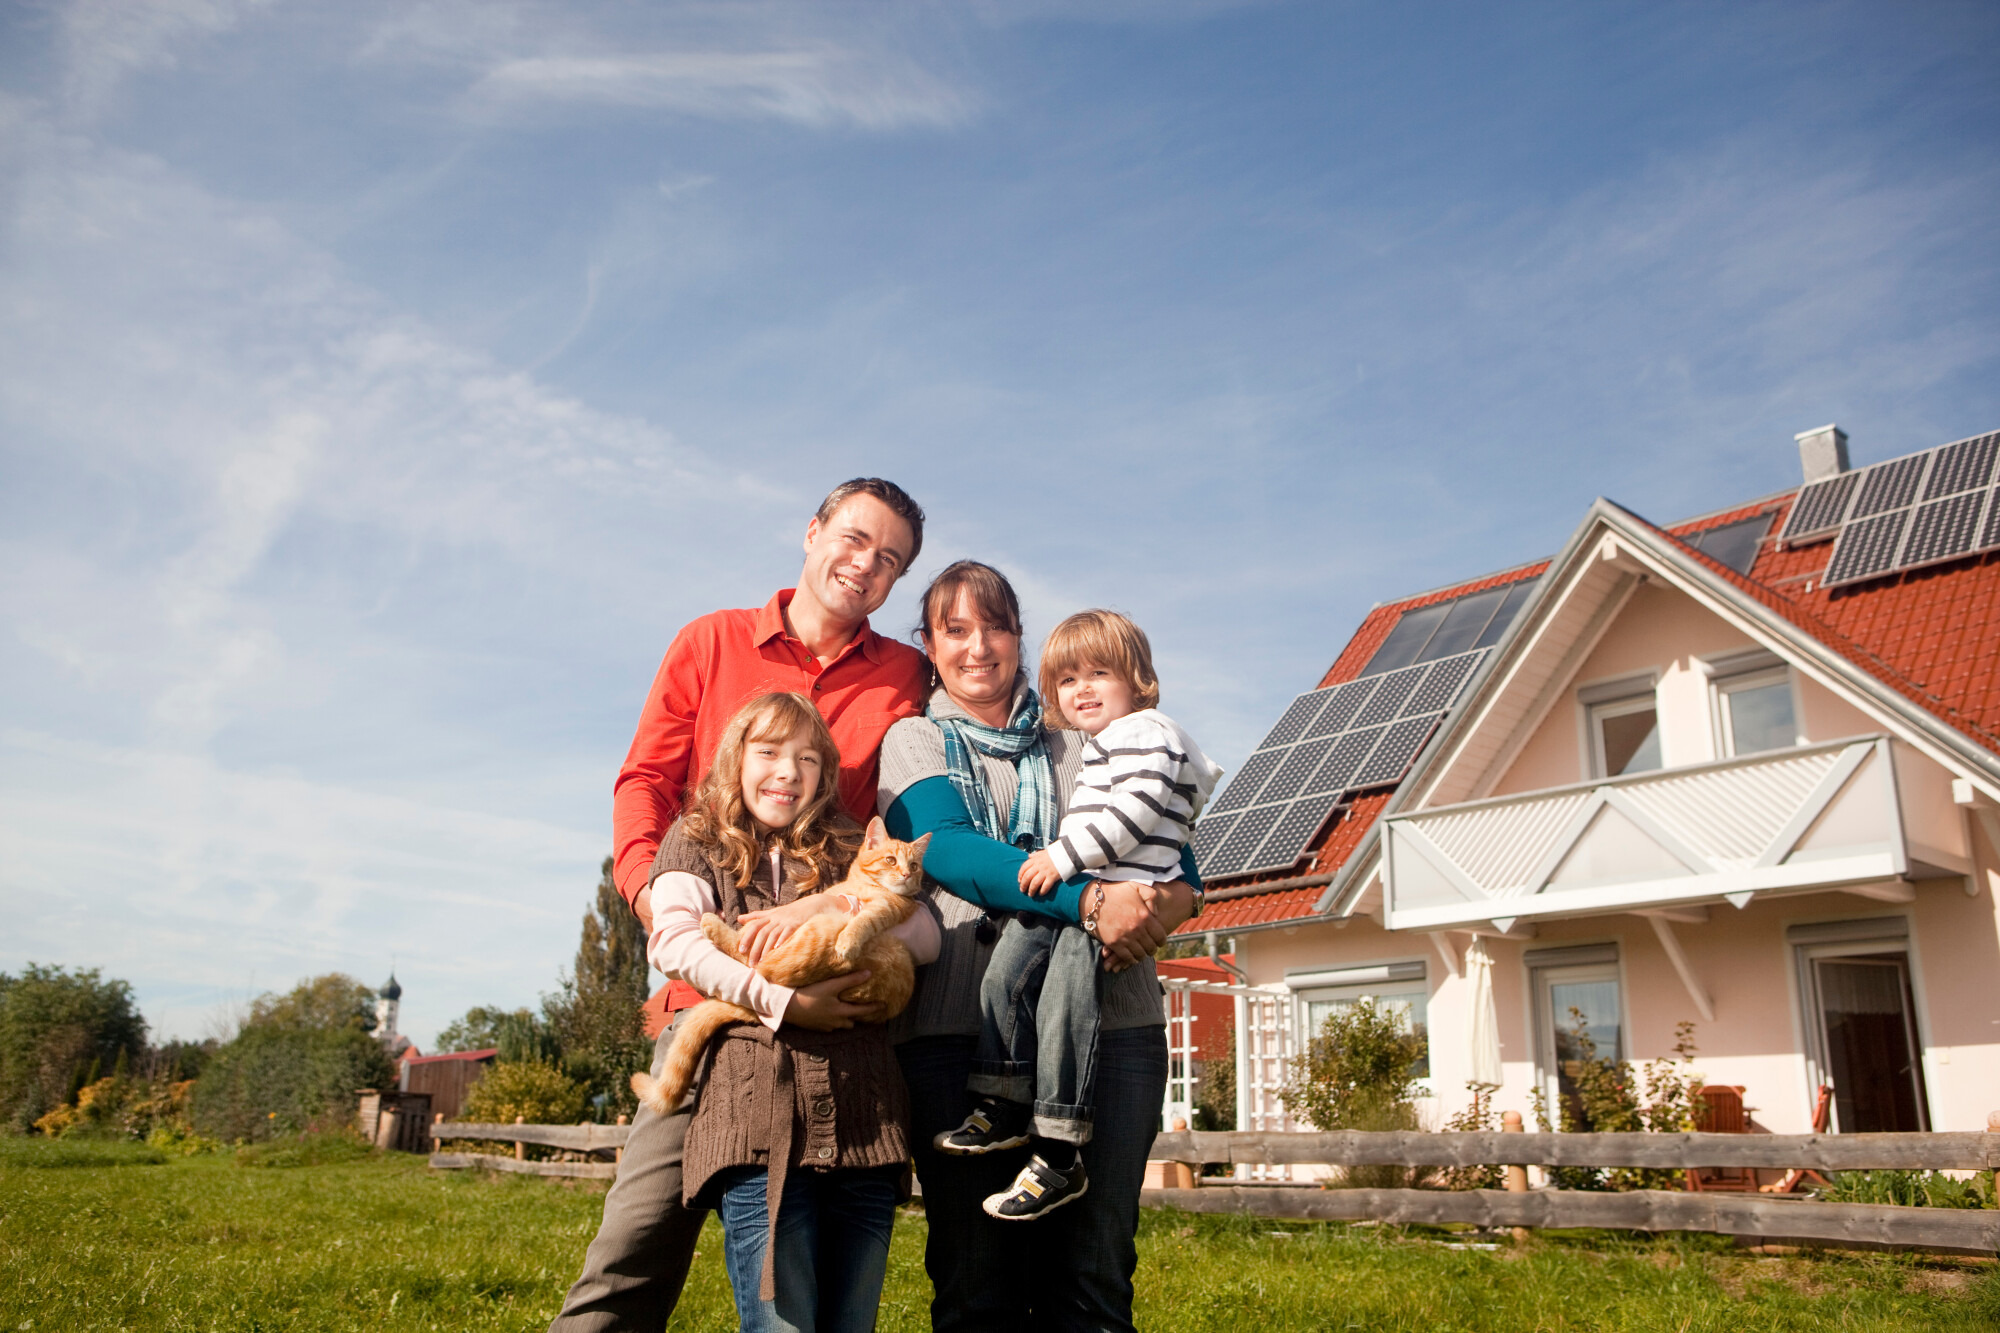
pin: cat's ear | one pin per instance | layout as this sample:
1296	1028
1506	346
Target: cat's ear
917	848
878	833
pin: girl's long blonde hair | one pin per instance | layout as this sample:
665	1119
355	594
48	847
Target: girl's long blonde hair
823	838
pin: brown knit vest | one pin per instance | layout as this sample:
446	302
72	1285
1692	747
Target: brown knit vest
795	1098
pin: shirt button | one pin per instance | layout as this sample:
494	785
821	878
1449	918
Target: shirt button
825	1153
823	1107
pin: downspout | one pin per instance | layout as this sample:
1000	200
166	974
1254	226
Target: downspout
1242	977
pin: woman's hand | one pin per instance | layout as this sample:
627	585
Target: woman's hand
820	1007
1134	920
757	933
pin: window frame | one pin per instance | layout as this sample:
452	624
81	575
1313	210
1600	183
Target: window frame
1741	671
1541	977
1396	979
1617	697
1811	943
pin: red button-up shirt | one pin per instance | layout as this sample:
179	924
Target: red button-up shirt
716	665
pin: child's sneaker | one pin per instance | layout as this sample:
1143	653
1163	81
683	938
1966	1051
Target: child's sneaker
993	1125
1039	1189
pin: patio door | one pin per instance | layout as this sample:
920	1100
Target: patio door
1862	1018
1576	987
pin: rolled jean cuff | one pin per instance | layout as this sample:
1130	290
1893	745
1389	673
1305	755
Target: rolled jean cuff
1065	1124
1005	1079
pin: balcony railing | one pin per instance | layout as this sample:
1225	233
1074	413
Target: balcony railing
1816	817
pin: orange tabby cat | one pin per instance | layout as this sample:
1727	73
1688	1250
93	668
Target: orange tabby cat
886	876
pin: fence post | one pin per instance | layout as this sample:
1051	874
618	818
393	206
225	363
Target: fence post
520	1148
1181	1173
1993	1127
618	1154
1516	1176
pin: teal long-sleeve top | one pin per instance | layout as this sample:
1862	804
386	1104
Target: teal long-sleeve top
979	869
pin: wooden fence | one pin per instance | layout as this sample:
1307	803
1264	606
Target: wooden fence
1791	1217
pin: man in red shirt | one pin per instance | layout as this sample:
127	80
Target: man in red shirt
814	639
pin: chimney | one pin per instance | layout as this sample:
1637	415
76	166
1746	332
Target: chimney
1822	452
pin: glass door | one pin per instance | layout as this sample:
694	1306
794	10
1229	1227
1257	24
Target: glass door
1568	999
1868	1040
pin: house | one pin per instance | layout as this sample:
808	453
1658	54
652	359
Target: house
1741	771
446	1079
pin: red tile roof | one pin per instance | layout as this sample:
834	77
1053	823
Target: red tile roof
1933	635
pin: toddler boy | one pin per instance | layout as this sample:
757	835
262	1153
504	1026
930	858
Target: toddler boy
1143	782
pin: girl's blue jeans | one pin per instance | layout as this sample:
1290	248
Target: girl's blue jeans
833	1247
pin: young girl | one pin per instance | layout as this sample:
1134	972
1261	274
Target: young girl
798	1136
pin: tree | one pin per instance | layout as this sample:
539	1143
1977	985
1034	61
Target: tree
60	1031
519	1035
296	1065
595	1016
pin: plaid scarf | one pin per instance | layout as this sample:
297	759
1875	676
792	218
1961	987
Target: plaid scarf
1032	823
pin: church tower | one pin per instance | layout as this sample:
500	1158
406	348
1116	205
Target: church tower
388	1000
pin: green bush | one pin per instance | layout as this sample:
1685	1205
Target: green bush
1614	1098
533	1091
273	1081
1358	1074
60	1031
1910	1189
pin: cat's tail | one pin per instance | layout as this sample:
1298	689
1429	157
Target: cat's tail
691	1037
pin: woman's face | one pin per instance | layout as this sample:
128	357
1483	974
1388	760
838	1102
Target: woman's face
976	659
779	777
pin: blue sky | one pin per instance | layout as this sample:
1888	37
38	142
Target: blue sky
383	384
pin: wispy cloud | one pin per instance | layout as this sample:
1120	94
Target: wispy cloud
106	40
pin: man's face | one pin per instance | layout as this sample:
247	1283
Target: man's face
855	557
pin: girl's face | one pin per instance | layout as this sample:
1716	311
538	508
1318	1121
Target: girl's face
1093	696
779	777
976	660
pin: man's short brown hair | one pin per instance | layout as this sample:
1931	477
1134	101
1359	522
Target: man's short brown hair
1107	639
890	494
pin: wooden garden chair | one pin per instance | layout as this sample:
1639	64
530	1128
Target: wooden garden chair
1822	1116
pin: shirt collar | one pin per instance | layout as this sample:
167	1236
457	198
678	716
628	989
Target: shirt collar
770	624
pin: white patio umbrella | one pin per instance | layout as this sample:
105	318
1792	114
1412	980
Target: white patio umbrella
1485	1026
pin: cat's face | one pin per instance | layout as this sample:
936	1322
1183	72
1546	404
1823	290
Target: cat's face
891	865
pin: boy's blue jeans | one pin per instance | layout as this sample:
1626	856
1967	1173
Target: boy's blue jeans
833	1247
1039	1021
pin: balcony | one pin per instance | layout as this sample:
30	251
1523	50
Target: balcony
1816	817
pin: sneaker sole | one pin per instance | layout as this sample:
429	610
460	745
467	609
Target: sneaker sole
987	1207
954	1150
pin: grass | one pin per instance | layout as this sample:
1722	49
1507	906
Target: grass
382	1242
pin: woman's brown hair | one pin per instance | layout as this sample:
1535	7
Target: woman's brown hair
992	597
1107	639
823	837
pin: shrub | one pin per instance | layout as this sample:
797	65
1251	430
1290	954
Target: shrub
1612	1098
59	1030
1479	1117
273	1081
120	1107
1215	1088
313	1148
534	1091
1910	1189
1357	1074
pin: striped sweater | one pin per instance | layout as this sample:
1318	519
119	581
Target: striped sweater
1142	783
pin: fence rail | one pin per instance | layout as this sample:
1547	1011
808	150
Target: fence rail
573	1138
1817	1152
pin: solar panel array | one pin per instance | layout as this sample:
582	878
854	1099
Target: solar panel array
1329	744
1936	505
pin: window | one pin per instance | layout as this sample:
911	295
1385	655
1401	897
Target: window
1861	1022
1397	988
1733	545
1755	708
1621	726
1571	985
1445	628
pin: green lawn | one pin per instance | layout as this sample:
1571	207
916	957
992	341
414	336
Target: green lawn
104	1238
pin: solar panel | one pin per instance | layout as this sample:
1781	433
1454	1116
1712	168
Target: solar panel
1234	852
1256	770
1296	719
1888	486
1990	534
1867	547
1965	466
1821	506
1337	773
1388	698
1391	756
1300	761
1943	529
1209	832
1440	687
1344	705
1287	840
